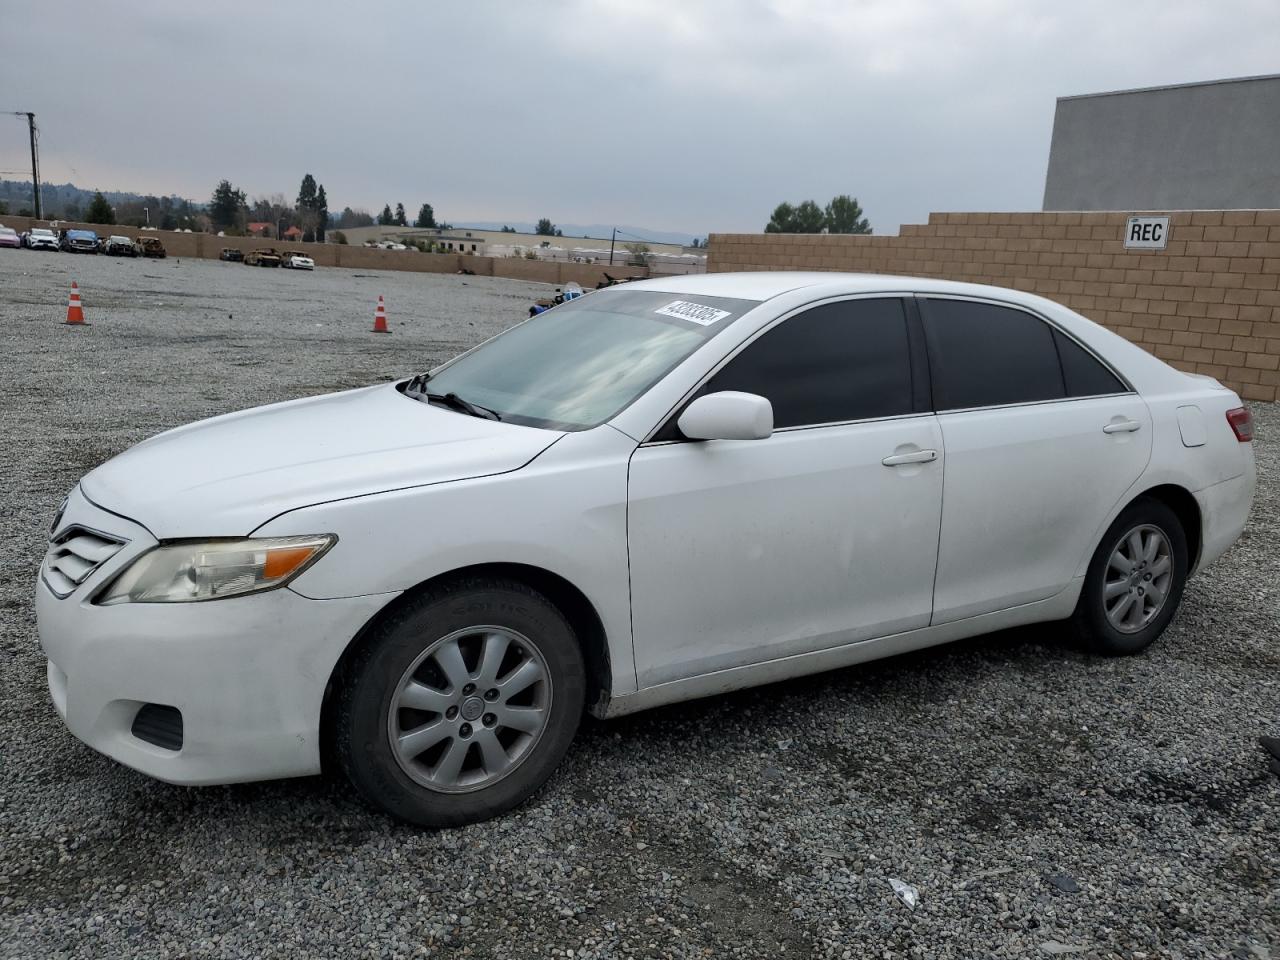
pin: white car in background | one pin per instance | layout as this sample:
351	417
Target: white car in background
297	261
660	491
40	238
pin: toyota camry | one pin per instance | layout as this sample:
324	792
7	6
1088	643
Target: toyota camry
655	492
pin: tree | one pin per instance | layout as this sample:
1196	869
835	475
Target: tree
227	208
100	211
640	255
809	218
783	219
844	215
322	214
307	192
506	229
311	209
401	219
4	207
545	228
385	218
354	218
426	217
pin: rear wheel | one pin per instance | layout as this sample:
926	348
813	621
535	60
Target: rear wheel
1135	580
461	704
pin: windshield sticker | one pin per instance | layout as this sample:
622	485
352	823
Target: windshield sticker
697	313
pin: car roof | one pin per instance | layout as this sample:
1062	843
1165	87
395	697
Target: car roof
766	285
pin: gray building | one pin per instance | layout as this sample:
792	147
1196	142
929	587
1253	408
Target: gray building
1212	145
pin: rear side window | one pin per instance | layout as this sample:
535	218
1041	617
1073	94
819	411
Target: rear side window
840	361
983	355
1084	375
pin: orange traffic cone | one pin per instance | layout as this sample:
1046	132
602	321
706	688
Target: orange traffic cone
380	318
75	314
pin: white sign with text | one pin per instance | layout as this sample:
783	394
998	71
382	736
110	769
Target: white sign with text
1146	233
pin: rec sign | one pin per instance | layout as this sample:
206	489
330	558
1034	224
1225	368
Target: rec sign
1146	233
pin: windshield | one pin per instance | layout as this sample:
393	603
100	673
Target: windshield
579	364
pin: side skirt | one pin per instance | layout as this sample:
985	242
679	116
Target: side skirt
1058	607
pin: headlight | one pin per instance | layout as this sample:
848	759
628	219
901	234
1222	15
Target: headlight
213	569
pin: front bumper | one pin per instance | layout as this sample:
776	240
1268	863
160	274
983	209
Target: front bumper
247	673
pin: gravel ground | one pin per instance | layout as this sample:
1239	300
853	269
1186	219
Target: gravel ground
1041	801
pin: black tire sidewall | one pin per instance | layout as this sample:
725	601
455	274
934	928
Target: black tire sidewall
363	745
1091	616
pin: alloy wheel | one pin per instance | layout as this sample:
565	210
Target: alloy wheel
1138	578
470	709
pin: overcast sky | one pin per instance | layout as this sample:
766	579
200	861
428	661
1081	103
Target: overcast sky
685	115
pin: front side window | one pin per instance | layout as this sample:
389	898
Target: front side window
833	363
984	355
581	363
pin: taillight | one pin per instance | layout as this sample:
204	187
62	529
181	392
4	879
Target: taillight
1241	421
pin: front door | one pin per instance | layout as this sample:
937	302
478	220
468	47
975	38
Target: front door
823	534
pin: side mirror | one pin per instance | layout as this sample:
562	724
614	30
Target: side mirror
728	415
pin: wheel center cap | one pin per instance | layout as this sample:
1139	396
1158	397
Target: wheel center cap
472	708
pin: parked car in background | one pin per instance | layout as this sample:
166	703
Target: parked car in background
231	255
79	241
40	238
266	257
664	490
9	237
295	260
151	247
118	246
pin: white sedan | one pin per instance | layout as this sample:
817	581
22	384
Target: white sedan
655	492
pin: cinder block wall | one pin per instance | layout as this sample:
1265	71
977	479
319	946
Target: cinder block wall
208	246
1208	303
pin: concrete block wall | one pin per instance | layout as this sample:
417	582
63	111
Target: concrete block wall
1209	303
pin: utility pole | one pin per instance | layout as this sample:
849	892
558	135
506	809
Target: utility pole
611	240
35	164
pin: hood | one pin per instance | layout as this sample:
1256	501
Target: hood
227	476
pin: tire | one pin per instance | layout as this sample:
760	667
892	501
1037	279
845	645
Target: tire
404	658
1162	562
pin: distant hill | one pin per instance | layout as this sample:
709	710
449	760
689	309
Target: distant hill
598	231
67	201
59	199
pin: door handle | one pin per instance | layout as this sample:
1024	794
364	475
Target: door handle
1122	426
919	456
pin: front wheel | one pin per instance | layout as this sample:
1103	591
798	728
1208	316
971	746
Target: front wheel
461	703
1135	580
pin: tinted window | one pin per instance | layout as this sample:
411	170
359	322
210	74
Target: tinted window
982	355
840	361
1085	376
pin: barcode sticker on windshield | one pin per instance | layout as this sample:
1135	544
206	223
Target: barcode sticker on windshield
693	312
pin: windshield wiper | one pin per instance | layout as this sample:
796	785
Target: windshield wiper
417	388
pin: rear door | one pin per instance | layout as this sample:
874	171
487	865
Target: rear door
1041	438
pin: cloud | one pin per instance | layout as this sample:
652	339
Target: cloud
678	115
